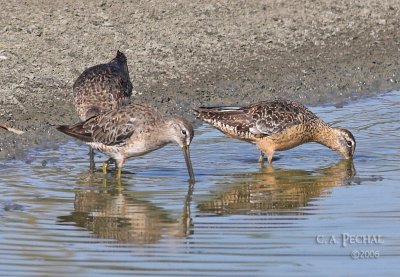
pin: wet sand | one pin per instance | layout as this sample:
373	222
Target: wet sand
190	53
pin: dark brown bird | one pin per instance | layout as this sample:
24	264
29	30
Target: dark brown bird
277	125
132	131
101	88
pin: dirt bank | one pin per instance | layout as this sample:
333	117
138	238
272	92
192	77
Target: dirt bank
189	53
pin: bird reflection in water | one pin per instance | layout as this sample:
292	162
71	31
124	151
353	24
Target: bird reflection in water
112	212
277	190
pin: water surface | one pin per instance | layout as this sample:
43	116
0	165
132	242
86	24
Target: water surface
238	219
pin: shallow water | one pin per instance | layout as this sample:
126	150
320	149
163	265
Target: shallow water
305	215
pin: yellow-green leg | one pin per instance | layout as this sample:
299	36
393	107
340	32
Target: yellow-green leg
119	171
105	165
118	164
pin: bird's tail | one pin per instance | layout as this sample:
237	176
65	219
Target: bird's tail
77	131
210	114
120	61
120	58
203	113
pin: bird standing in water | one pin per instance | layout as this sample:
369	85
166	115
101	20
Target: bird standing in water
277	125
101	88
132	131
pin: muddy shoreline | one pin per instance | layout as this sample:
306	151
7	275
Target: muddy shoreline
190	53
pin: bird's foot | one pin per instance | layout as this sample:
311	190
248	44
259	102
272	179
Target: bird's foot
105	165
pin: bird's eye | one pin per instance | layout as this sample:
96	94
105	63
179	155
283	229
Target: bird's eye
183	132
349	143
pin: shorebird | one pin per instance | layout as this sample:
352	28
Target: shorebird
277	125
132	131
101	88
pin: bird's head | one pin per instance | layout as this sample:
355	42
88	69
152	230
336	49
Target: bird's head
181	131
344	142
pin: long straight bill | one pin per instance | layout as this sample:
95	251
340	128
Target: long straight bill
186	154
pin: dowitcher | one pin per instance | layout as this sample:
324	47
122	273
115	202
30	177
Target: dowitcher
101	88
277	125
132	131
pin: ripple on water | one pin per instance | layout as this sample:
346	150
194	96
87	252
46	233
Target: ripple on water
238	219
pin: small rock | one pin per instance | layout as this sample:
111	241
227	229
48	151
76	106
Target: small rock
107	24
382	21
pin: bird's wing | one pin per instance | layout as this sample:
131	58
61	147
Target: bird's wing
109	79
116	126
260	119
274	117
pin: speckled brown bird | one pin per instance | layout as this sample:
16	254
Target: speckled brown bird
132	131
277	125
101	88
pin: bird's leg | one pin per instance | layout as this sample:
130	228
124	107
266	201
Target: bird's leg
118	164
92	165
119	185
105	165
270	155
119	171
261	158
